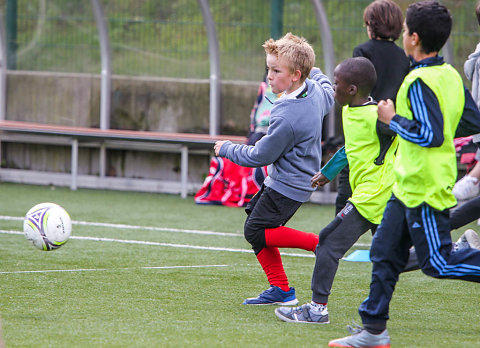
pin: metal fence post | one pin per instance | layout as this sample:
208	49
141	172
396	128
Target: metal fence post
447	51
214	55
11	11
3	71
106	65
105	92
328	55
277	19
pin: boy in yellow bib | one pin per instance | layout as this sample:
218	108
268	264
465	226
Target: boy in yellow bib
430	105
370	151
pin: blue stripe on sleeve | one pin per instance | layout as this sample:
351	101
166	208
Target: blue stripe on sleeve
426	133
426	127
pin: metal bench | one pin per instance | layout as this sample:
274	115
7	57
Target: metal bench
183	143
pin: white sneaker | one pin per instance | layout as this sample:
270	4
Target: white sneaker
469	239
306	313
472	238
362	338
466	188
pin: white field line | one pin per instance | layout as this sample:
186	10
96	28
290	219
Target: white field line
185	246
135	227
112	269
151	228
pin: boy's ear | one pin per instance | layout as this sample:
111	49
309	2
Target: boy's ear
415	39
352	89
297	75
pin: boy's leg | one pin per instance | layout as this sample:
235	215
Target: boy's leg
433	244
269	209
286	237
459	217
334	241
389	254
271	262
466	213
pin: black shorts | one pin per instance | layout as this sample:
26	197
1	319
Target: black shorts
267	209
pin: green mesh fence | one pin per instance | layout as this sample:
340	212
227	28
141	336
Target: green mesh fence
167	38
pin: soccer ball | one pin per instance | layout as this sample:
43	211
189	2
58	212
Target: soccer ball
47	226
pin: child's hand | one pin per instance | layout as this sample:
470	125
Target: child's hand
319	180
386	111
218	146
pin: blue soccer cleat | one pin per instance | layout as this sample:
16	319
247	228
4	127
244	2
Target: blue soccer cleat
274	295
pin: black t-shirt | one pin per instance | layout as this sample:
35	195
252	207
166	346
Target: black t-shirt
391	65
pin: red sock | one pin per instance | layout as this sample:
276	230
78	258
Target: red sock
271	262
285	237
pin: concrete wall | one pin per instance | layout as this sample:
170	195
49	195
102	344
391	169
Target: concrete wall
156	104
153	104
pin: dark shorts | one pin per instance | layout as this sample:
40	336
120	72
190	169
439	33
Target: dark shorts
267	209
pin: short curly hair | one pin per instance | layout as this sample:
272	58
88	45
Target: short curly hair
295	51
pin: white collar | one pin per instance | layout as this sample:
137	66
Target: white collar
295	93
